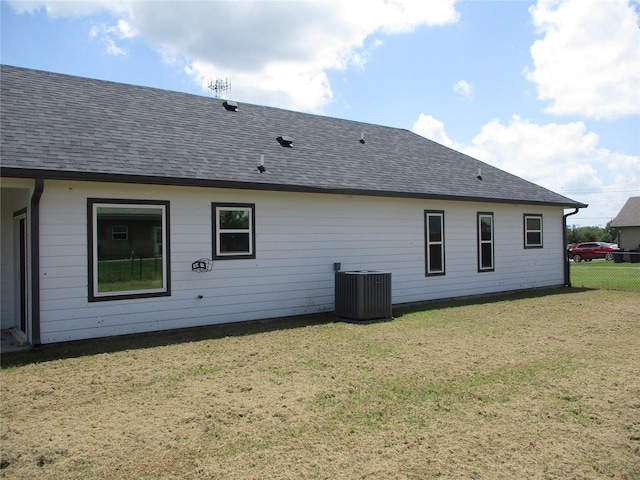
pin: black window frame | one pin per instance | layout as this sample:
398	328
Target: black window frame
93	295
428	243
481	242
215	231
526	230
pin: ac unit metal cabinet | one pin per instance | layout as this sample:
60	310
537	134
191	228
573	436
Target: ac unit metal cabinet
363	295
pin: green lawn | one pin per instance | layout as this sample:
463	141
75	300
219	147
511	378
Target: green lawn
605	274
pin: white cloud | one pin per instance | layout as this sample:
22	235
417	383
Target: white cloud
113	49
564	158
125	30
271	50
68	8
110	35
433	129
463	88
397	16
545	154
279	52
588	61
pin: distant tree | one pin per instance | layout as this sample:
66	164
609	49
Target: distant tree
572	234
613	233
577	234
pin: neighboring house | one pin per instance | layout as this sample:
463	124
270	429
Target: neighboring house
112	193
627	222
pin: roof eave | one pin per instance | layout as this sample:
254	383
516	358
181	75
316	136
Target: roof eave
209	183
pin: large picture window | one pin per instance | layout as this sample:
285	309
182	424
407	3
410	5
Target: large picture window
434	235
233	230
532	231
485	242
128	249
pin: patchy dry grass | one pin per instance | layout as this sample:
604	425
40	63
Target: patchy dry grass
545	386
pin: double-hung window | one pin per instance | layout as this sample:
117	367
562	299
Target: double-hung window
119	232
434	240
128	249
532	230
485	242
233	230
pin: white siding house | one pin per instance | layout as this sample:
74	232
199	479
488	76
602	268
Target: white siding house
80	196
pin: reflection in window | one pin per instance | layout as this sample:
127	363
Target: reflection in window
119	232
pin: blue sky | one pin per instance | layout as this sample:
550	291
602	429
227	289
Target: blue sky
548	90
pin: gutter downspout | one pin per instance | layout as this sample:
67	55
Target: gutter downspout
567	276
35	261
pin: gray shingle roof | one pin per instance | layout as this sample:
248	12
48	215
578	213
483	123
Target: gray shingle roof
629	216
61	126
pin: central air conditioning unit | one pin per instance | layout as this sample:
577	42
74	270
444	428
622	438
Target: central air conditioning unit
363	295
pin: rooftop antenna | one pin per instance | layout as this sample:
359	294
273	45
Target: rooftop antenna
219	86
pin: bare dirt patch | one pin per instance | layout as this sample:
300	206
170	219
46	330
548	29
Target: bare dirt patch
545	386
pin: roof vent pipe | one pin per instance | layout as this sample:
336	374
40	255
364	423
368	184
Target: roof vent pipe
285	141
362	138
261	167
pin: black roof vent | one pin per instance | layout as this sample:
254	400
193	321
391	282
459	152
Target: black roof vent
230	106
285	141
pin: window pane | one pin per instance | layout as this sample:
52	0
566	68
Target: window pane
132	262
534	223
233	219
435	258
485	228
534	238
435	228
234	243
486	260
